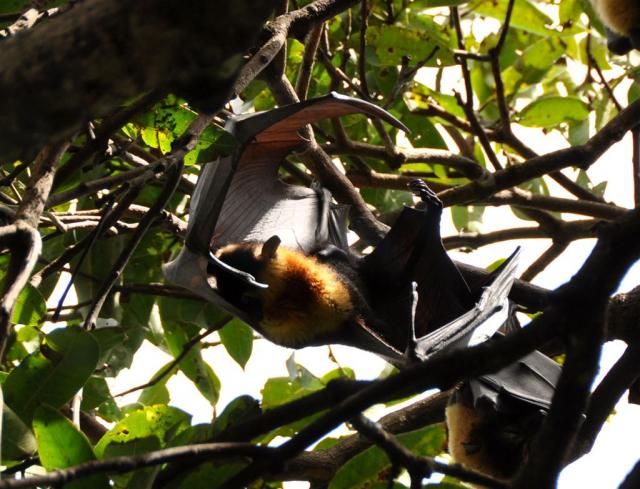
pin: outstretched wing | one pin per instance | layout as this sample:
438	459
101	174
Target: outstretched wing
254	204
240	198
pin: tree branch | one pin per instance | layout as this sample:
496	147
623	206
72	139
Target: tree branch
22	237
84	47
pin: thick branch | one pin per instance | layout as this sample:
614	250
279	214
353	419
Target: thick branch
401	156
319	466
296	23
173	177
524	198
567	231
210	451
22	237
582	156
163	49
581	306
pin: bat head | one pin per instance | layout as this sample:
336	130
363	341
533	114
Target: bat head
493	441
236	266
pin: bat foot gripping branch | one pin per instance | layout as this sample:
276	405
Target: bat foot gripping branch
428	196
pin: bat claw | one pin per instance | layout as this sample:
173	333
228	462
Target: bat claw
412	341
422	190
247	278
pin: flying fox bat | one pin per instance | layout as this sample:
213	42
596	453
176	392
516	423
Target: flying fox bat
622	21
276	255
492	420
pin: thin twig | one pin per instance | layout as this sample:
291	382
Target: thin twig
22	237
93	236
186	348
583	156
103	133
544	260
362	57
494	54
308	59
88	188
523	198
68	255
173	178
467	104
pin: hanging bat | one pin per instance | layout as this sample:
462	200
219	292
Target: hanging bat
276	255
622	22
492	420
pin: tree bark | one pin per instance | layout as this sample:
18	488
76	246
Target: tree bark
99	54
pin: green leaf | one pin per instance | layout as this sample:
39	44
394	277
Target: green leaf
237	338
237	411
139	478
158	392
30	307
159	421
568	10
17	440
386	200
584	181
199	433
393	42
423	133
467	218
95	392
368	467
195	312
98	263
108	338
338	373
579	132
525	15
533	64
27	333
54	374
61	445
634	92
214	143
157	138
536	186
193	365
280	390
422	95
551	111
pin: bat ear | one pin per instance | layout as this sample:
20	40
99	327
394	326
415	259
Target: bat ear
270	248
